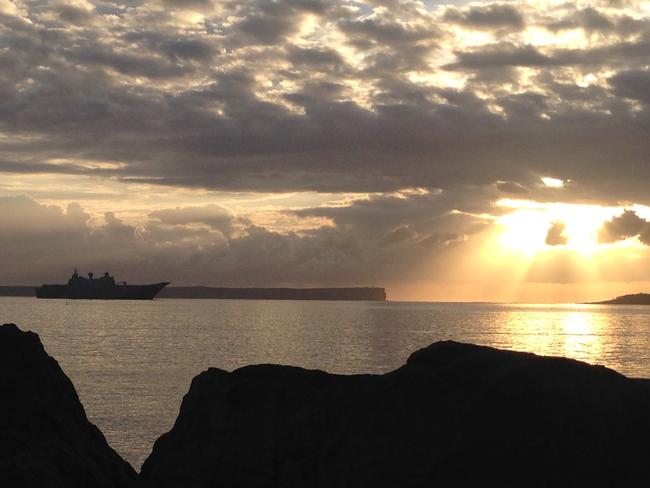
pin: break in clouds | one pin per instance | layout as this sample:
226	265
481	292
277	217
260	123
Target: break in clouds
467	103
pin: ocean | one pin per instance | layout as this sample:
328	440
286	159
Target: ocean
132	361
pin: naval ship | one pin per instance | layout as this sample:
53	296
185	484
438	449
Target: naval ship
102	288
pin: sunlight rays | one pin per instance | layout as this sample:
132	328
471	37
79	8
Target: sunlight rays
525	228
518	255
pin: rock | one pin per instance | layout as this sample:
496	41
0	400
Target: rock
45	438
454	415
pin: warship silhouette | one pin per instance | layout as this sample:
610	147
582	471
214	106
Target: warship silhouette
102	288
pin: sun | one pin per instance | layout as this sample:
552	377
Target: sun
526	227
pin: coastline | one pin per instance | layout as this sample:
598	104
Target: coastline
208	292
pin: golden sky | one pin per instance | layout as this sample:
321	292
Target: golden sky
448	151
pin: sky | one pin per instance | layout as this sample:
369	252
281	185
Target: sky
447	151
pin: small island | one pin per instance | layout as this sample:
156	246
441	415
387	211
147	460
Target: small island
633	299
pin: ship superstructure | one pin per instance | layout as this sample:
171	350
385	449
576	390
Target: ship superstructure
102	288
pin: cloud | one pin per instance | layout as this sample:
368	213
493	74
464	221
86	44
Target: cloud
269	23
632	84
594	20
74	14
176	49
214	216
499	55
625	226
462	105
9	8
330	96
213	246
512	188
492	16
315	57
200	4
555	235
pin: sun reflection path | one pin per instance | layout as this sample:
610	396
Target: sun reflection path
572	331
582	336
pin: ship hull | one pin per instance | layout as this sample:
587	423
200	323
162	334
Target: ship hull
118	292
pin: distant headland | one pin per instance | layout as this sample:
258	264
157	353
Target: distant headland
355	293
634	299
17	291
206	292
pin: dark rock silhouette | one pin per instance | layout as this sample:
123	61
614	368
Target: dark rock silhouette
45	438
454	415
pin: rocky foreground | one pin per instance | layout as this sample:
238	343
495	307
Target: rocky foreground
46	439
453	415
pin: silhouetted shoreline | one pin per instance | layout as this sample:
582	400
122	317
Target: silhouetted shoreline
208	292
45	437
352	293
454	415
17	291
633	299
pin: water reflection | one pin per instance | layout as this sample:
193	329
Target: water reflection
582	333
614	337
132	362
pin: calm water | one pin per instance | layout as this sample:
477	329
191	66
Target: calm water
132	362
